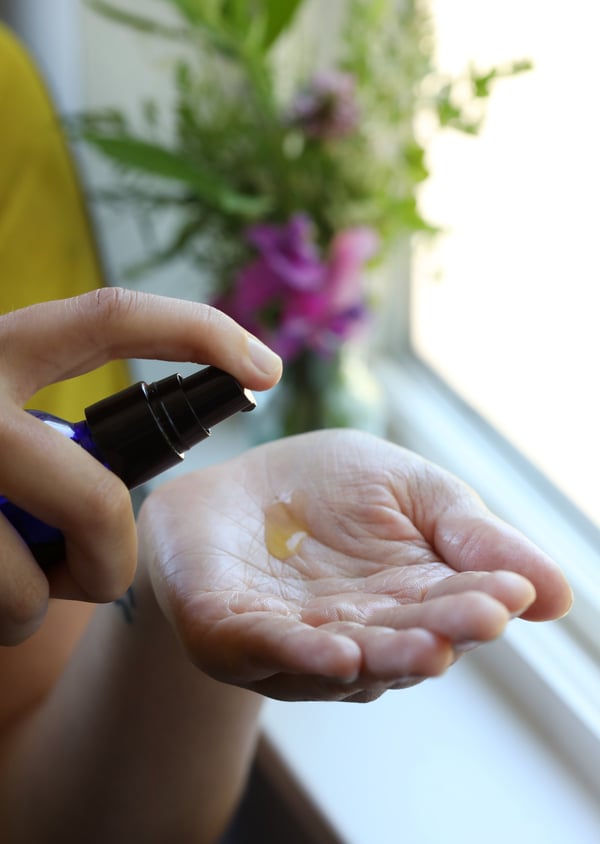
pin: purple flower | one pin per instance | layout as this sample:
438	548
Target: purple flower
337	312
326	108
292	299
290	252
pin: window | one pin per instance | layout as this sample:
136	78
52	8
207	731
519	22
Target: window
500	383
506	303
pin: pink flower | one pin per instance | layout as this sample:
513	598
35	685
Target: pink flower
293	300
336	312
350	250
326	108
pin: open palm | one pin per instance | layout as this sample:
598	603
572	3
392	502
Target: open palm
336	565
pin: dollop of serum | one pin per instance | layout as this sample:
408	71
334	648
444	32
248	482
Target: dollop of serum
284	533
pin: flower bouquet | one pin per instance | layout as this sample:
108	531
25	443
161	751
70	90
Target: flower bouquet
291	161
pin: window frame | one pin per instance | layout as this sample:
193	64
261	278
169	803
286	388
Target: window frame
556	664
550	670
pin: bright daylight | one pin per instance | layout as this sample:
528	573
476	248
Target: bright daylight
299	459
507	301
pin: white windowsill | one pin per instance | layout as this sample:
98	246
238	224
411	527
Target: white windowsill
552	670
452	760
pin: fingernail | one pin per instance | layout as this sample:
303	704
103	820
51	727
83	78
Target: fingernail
263	358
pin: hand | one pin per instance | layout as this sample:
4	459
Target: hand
51	477
335	565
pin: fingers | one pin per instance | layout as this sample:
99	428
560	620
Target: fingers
50	477
23	589
249	647
390	655
469	539
513	590
396	643
285	659
453	611
58	482
466	617
390	659
405	645
60	339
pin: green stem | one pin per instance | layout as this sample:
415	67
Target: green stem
307	393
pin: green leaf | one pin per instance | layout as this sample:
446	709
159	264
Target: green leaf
407	215
520	66
178	244
447	112
201	12
150	112
268	17
145	157
137	22
201	26
237	13
189	9
280	14
482	83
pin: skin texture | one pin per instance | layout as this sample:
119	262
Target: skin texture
390	569
400	568
330	566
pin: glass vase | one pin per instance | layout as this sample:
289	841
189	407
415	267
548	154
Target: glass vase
318	392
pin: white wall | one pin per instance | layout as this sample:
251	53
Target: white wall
52	34
121	68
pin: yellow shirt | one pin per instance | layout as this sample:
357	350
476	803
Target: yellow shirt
47	248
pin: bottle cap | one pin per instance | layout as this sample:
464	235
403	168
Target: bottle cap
146	428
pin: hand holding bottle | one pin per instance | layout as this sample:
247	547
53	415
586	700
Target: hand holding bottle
58	482
336	565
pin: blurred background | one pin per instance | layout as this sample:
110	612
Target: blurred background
431	172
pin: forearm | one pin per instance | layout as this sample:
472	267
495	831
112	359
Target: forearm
133	744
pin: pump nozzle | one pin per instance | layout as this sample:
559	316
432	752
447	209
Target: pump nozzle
146	428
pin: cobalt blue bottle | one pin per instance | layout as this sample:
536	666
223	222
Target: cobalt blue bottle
138	433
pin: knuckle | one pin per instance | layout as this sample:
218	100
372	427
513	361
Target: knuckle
109	542
210	328
214	320
115	301
109	304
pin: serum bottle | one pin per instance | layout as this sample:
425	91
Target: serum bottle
138	433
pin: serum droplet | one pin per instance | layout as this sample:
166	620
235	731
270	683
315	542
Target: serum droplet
284	534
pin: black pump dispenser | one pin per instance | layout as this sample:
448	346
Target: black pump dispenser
137	433
146	428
